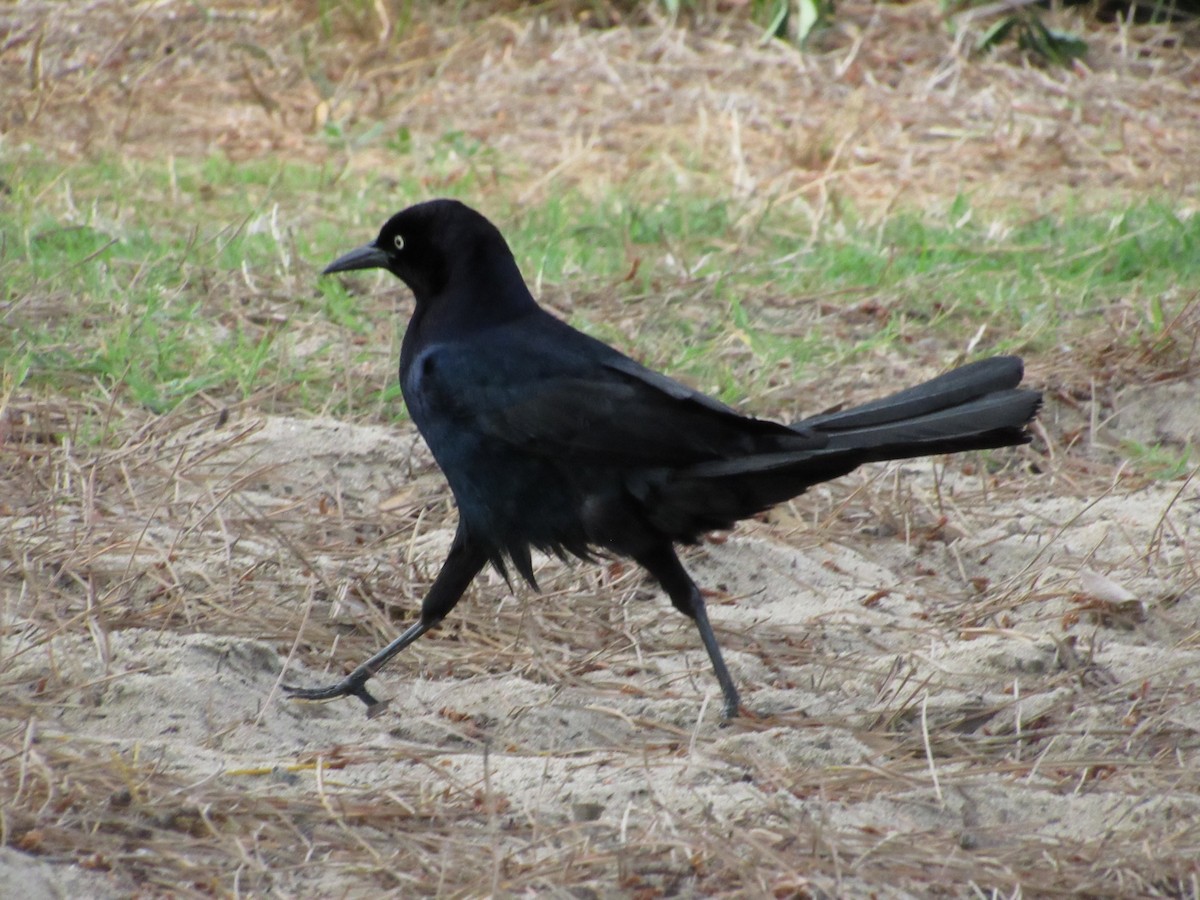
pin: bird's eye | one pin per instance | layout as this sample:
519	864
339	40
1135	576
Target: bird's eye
398	240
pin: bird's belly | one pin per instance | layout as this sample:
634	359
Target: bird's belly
508	498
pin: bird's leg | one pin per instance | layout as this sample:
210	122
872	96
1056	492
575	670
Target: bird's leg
462	564
355	684
664	564
729	690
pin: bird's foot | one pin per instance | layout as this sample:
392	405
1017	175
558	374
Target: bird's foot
353	685
731	711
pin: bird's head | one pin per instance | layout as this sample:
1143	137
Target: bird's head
430	245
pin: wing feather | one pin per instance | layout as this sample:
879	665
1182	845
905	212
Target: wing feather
613	412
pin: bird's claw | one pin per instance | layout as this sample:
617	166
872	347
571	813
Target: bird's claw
353	685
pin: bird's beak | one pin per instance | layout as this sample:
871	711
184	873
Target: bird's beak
365	257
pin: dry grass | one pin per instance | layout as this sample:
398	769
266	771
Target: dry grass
997	718
889	113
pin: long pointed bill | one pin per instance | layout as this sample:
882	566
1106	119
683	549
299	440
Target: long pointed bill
366	257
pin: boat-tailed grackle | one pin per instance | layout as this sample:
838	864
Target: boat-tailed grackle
552	440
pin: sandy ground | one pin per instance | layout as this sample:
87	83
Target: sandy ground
989	671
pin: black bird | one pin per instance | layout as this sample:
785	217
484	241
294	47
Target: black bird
553	440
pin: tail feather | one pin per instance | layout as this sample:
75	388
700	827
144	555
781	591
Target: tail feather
975	407
998	416
946	391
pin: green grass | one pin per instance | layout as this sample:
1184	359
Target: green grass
157	282
1162	462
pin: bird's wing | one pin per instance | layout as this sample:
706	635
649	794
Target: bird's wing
609	411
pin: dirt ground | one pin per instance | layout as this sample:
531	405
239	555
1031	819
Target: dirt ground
964	681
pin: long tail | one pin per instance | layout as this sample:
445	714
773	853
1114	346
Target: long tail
975	407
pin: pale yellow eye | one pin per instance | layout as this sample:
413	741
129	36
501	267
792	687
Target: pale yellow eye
398	240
